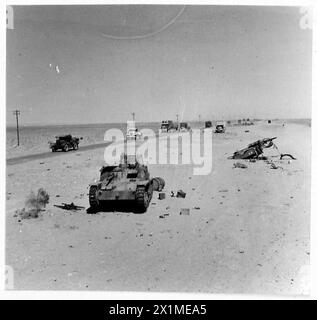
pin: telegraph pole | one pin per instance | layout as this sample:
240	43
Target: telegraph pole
17	113
133	115
199	119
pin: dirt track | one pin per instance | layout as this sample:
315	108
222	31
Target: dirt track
43	155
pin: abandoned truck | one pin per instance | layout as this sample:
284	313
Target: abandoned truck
127	184
65	143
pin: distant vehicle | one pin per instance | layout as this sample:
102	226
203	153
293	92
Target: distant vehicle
168	125
247	122
65	143
208	124
128	183
220	127
184	126
132	130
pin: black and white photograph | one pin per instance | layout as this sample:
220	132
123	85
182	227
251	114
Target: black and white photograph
158	148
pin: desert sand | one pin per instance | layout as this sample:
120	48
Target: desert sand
248	230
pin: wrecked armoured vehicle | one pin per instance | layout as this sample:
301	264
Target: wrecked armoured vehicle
254	150
65	143
128	183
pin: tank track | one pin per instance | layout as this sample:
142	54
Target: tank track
143	198
93	202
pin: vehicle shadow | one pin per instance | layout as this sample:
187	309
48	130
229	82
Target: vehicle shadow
117	206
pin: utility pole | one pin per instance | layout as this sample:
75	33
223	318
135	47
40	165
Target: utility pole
177	118
199	119
17	113
133	115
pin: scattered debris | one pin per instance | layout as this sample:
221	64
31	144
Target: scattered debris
180	194
161	195
282	155
69	206
223	190
172	194
239	165
158	184
185	212
197	208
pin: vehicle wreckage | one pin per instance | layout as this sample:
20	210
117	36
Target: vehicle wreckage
255	150
128	183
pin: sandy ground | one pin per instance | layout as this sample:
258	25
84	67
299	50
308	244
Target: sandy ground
249	232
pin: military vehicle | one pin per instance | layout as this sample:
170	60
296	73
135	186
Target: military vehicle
254	150
220	127
208	124
132	131
65	143
184	126
168	125
128	183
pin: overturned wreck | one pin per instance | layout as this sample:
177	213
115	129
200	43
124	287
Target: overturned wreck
255	150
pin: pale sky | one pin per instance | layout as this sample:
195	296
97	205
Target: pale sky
89	64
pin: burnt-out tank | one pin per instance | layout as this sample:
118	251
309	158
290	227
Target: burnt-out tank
125	185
